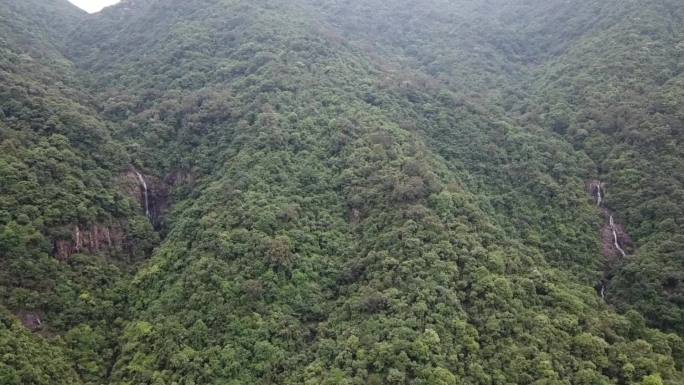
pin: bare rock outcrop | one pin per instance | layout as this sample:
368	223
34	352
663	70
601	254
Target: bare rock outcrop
32	321
614	238
93	239
596	189
151	193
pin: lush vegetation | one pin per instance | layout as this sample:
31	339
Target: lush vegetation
343	192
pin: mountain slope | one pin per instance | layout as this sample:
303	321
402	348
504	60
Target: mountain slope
68	233
622	105
602	75
346	193
303	125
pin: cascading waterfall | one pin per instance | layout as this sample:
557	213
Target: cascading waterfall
599	200
144	185
78	239
611	222
615	237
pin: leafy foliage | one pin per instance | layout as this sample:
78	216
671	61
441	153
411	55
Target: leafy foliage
362	192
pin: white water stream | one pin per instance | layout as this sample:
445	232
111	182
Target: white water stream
78	239
615	237
613	229
142	182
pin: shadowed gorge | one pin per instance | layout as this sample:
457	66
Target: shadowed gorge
469	192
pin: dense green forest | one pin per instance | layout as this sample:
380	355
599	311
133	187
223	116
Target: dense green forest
466	192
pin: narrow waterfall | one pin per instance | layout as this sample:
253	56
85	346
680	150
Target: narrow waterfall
144	185
596	189
615	237
78	239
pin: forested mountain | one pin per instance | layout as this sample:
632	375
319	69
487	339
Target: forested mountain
342	192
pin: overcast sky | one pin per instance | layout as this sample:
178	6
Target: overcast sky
93	5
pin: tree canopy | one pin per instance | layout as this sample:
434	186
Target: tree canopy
341	192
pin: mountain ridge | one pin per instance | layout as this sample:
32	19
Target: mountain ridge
350	205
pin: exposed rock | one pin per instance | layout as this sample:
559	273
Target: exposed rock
31	320
152	193
355	216
614	238
179	177
596	188
92	240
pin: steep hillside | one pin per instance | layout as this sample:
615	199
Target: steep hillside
617	96
340	192
69	231
604	76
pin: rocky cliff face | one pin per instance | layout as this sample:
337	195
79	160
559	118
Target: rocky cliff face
151	193
33	321
153	197
93	239
615	239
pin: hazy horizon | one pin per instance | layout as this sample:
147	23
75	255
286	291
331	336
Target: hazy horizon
93	6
